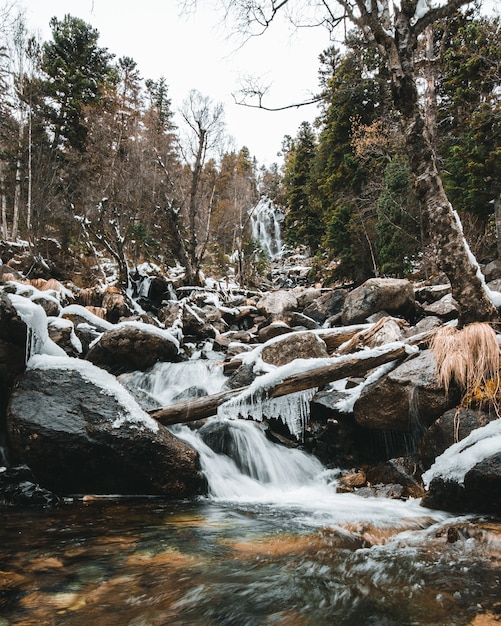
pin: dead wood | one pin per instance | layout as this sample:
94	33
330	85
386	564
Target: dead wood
200	408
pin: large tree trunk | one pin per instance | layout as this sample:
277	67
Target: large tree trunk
453	255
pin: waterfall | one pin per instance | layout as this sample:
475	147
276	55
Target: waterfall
266	221
242	466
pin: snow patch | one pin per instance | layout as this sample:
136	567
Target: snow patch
35	319
461	457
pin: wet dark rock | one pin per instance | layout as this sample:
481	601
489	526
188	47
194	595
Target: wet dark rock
454	425
18	487
129	347
13	337
326	305
403	471
393	295
242	377
78	439
408	399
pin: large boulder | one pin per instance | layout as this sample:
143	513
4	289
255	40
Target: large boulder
13	337
392	295
453	426
407	399
81	432
467	476
133	346
299	345
275	303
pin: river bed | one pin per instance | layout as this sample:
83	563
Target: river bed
147	562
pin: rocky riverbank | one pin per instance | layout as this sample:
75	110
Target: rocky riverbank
68	418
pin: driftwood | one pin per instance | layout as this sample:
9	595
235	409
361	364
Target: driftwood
200	408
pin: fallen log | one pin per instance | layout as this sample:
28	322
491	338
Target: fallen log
319	376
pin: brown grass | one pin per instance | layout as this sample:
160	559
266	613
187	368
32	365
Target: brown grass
470	357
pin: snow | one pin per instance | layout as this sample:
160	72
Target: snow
59	322
88	316
35	319
346	404
494	296
149	328
459	458
253	401
131	412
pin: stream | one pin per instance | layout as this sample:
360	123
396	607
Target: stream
273	543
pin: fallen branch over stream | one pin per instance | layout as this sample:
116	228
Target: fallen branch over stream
341	367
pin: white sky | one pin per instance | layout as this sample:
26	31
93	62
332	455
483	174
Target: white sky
194	51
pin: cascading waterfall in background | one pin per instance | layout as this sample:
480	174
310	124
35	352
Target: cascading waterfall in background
266	220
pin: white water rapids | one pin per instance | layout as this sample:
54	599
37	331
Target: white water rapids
255	471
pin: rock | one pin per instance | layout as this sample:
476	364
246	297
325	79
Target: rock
18	487
454	425
275	303
242	377
349	482
299	345
424	325
169	314
48	303
306	295
446	308
62	333
195	324
482	485
390	331
392	295
326	305
81	432
300	321
13	337
407	399
492	271
116	307
132	346
432	293
9	273
404	471
495	285
275	329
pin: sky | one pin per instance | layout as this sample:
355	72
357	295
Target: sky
195	50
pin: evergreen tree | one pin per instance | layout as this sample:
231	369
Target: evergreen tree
470	113
77	69
303	222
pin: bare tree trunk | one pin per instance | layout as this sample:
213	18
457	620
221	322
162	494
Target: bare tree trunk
5	232
454	258
17	188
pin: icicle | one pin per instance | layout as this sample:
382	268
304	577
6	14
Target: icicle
293	409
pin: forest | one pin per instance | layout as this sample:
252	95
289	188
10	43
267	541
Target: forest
90	158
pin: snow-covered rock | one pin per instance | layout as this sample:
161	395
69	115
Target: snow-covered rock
81	432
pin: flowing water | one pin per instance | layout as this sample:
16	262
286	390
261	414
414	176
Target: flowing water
273	543
266	222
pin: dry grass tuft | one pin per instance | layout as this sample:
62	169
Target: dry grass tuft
470	357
